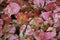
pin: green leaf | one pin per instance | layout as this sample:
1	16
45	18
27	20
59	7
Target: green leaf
42	26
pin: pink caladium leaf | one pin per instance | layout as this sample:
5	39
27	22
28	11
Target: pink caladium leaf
41	35
12	8
21	18
57	9
1	32
1	1
46	15
50	1
6	18
0	38
56	17
50	35
50	6
8	28
22	28
29	30
30	1
12	36
38	2
1	22
21	39
12	30
38	21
